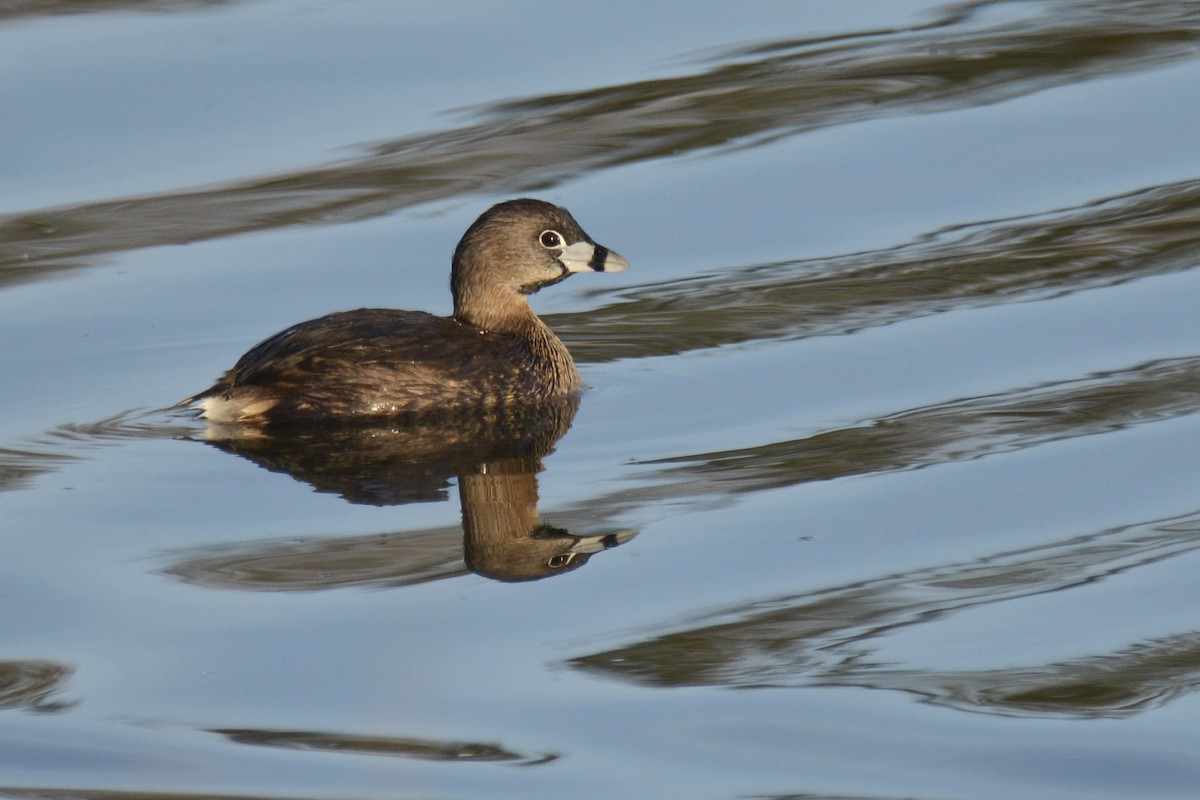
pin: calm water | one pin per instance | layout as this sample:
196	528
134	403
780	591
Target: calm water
886	485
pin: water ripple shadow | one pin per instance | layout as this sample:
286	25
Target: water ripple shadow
958	430
1103	243
32	9
827	637
71	442
734	99
30	684
403	747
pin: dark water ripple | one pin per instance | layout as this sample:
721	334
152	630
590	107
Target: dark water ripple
74	793
30	684
334	562
741	98
958	430
423	749
17	10
72	441
1103	243
826	637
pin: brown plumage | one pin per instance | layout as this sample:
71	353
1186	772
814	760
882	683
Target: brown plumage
375	363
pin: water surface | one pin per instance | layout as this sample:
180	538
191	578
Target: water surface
885	485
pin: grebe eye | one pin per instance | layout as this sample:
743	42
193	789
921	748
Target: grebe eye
550	240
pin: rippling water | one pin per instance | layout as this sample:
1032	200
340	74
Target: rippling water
901	393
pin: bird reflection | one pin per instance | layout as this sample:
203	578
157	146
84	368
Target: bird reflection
495	456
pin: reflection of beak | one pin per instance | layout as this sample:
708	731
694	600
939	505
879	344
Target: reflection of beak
594	544
591	257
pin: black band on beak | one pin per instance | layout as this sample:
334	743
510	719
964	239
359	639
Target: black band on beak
599	256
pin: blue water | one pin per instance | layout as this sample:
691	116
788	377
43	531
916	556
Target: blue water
893	421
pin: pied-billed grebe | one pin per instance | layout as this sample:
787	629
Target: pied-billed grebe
372	363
